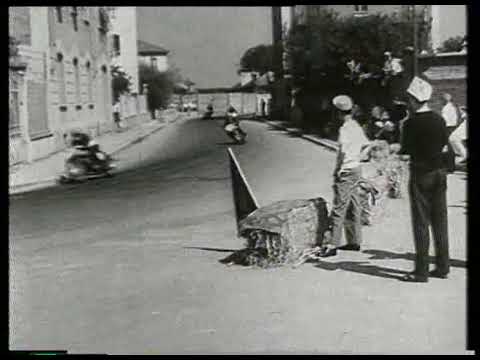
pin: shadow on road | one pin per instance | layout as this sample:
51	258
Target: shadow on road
362	267
209	249
228	143
382	254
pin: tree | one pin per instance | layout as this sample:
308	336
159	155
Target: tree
259	58
453	44
121	82
330	40
318	53
161	85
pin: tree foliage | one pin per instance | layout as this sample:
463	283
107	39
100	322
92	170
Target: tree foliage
259	58
121	82
330	40
161	85
453	44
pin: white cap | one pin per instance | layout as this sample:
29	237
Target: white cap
420	89
343	102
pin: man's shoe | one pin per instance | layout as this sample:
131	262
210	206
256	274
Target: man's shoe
412	277
328	252
351	247
437	274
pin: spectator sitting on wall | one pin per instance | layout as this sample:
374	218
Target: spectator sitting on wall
449	113
380	126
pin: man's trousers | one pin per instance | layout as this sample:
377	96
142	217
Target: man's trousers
428	202
346	210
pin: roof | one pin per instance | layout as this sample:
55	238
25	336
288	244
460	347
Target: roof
145	48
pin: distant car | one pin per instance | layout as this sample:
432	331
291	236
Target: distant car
190	106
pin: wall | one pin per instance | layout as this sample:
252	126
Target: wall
125	24
90	109
446	74
19	23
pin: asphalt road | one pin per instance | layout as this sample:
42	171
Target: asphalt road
131	264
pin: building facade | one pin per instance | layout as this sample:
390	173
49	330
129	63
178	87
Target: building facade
153	55
66	83
124	42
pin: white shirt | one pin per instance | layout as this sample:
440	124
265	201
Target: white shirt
460	132
351	140
449	114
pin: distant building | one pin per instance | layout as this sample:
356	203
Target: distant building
153	55
248	76
66	82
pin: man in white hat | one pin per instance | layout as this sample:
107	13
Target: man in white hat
352	141
449	112
424	138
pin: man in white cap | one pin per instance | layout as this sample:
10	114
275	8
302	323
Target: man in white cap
449	113
352	141
424	138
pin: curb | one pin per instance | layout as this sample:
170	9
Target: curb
43	184
330	145
136	140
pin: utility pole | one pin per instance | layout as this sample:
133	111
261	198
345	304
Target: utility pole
415	42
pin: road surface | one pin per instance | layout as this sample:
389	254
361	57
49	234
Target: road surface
130	265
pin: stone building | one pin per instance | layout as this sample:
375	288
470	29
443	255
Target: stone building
153	55
66	83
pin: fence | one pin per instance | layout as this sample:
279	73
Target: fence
131	105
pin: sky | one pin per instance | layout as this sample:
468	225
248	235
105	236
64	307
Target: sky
206	43
452	21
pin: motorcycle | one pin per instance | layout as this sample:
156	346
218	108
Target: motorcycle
233	130
86	162
208	115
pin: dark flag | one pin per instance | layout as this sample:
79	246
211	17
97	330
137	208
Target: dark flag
243	198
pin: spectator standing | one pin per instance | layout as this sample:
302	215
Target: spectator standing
116	114
458	137
346	211
424	138
449	113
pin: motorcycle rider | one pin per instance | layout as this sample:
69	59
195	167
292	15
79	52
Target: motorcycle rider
232	118
83	144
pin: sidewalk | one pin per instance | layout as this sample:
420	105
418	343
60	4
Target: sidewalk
43	172
282	125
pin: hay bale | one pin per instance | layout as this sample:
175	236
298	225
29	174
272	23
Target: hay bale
384	179
280	233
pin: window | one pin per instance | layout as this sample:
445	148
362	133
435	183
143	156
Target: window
74	18
361	8
90	81
62	97
154	62
77	80
58	11
14	109
116	44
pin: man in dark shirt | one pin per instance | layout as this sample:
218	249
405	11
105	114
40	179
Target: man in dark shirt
425	138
